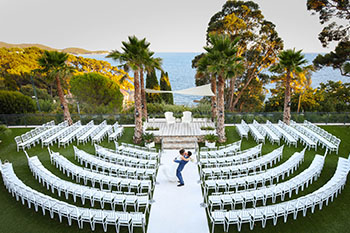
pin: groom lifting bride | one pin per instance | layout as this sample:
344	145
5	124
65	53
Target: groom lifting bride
185	157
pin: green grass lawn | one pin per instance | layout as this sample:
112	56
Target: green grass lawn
16	218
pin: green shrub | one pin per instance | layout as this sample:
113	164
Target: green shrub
15	102
211	138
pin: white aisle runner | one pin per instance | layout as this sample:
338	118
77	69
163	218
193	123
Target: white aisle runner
177	209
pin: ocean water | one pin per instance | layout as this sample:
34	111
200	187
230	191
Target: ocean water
181	74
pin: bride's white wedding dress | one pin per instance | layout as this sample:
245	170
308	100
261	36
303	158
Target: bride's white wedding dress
169	169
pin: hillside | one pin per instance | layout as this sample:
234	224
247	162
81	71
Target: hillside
66	50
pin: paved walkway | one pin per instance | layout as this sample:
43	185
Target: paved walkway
177	209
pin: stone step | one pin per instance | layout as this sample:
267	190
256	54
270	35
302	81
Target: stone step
175	146
179	139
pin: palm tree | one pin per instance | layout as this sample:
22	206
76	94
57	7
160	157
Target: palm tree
224	63
290	62
134	51
54	65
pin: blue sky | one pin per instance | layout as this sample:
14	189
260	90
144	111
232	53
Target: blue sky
170	26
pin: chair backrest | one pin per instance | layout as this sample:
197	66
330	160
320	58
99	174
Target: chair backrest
187	117
169	117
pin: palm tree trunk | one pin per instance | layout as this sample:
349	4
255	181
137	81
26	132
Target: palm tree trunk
286	111
220	130
138	109
63	101
213	98
143	96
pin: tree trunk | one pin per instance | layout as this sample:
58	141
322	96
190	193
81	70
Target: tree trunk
299	103
138	109
213	98
232	91
286	111
241	93
220	130
63	101
143	96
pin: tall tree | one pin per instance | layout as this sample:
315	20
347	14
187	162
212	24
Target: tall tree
54	66
290	62
339	59
134	52
259	44
97	90
150	64
334	15
166	86
152	83
224	63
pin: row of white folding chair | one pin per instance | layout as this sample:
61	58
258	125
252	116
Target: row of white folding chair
264	193
137	152
64	210
246	182
253	166
258	136
320	140
306	137
242	129
102	134
98	129
33	136
78	173
239	158
83	130
75	134
329	140
85	136
273	129
53	182
323	133
95	163
271	136
327	192
222	151
287	137
29	139
53	138
113	157
117	132
69	135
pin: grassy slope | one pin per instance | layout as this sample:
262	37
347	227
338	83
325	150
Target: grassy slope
16	218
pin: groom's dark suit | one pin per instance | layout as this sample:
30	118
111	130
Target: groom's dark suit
179	169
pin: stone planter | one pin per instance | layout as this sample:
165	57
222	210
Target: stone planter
150	145
210	144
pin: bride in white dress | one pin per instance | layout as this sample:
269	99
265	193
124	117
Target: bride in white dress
170	167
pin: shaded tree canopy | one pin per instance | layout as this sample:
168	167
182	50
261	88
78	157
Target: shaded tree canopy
96	89
331	12
339	59
15	102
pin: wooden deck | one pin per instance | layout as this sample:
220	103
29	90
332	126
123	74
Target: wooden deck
179	128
